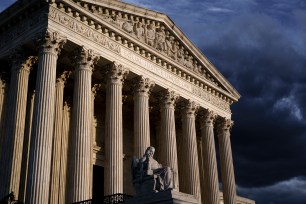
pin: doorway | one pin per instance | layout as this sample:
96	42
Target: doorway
98	184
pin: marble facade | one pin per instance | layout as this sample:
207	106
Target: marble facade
95	82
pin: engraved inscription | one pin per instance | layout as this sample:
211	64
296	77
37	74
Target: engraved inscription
83	30
173	79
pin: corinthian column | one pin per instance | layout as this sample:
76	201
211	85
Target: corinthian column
211	185
26	148
189	147
64	154
81	152
95	89
56	149
227	167
142	91
2	113
169	149
38	182
113	129
15	123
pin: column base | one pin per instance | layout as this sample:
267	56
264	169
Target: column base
164	197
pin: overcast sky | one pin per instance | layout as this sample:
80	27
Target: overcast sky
260	47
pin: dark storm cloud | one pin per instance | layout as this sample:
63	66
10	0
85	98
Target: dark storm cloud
260	47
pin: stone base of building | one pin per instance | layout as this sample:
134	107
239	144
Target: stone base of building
164	197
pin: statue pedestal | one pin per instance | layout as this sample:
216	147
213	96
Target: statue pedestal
163	197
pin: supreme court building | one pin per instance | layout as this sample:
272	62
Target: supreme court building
87	84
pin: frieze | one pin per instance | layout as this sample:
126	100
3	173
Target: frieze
83	30
108	43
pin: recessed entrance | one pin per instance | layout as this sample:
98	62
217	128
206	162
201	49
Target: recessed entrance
98	183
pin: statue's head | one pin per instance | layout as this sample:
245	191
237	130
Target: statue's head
150	152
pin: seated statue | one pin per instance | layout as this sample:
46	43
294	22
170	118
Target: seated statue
149	175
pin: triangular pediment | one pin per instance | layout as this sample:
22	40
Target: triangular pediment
156	31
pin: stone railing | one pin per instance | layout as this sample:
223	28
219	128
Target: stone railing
111	199
240	200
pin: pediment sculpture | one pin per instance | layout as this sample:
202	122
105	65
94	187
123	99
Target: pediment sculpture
150	176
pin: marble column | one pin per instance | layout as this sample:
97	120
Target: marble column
226	158
169	149
181	157
189	147
80	141
15	123
211	184
3	94
94	90
26	148
56	149
201	168
64	155
142	89
38	182
113	176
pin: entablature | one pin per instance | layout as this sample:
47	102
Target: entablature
114	23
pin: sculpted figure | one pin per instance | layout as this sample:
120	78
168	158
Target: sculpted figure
180	55
148	166
161	39
150	34
139	30
189	61
128	26
172	47
114	20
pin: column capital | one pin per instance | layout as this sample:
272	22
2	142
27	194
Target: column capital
189	108
208	118
2	84
63	77
20	61
116	73
142	85
86	58
168	98
95	89
51	42
224	126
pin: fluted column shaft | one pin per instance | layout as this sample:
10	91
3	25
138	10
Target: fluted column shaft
94	90
189	147
38	182
80	157
181	157
56	149
15	124
227	167
141	115
168	134
26	149
64	155
211	184
2	113
201	168
114	130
